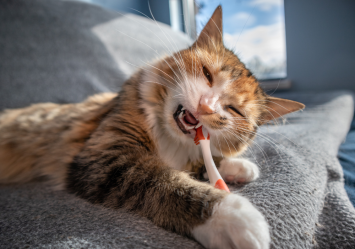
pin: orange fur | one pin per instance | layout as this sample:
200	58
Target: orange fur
42	139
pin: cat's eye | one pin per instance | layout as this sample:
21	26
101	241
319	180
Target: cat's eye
207	74
235	110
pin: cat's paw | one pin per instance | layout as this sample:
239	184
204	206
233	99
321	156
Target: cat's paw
235	223
235	170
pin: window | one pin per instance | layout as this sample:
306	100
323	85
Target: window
254	30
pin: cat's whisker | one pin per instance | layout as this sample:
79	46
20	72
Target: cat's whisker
232	143
246	143
259	132
153	19
253	154
155	52
150	81
266	138
230	130
139	41
283	135
271	101
165	79
267	108
151	49
178	62
248	131
179	84
227	144
219	144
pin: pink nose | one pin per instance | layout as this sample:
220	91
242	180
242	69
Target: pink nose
205	109
207	104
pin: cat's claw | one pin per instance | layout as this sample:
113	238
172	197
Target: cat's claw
235	223
237	170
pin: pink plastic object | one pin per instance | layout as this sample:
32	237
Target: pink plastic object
203	138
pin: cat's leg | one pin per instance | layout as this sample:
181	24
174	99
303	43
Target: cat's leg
238	170
136	179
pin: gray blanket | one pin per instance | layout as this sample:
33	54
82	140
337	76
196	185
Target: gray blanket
63	51
300	192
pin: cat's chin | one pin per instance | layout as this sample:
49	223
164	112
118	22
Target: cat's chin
186	121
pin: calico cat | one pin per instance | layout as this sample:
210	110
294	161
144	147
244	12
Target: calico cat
134	149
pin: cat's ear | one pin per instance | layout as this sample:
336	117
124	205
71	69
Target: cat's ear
213	29
277	107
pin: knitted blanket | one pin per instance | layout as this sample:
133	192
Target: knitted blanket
300	191
62	51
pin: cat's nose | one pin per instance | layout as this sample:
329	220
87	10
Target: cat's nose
207	104
206	109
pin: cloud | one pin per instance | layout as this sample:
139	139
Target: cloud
266	5
264	41
241	19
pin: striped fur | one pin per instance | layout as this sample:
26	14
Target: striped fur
119	167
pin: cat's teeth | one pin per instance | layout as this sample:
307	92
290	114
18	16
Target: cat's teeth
180	115
198	125
183	108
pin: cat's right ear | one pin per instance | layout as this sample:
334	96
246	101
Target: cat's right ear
277	107
212	30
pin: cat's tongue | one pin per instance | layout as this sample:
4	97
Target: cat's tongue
189	118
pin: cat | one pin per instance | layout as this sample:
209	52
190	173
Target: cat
135	149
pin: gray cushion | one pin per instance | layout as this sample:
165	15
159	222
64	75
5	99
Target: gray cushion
63	51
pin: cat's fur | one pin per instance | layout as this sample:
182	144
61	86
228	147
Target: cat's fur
127	150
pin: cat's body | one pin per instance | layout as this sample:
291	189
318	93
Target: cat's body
133	150
42	139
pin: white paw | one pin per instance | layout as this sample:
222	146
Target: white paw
238	170
235	223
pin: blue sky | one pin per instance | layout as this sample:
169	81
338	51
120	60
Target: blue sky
258	13
253	28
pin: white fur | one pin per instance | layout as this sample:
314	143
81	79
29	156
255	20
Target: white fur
238	170
175	148
235	223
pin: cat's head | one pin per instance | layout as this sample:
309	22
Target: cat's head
207	84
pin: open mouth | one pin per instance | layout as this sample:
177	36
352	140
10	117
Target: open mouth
185	120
